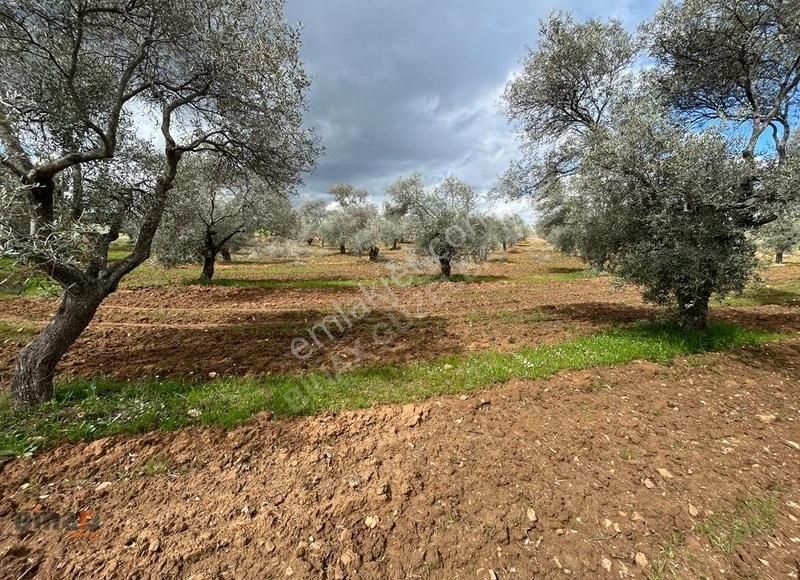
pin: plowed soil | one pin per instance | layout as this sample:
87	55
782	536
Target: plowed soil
642	471
531	296
574	476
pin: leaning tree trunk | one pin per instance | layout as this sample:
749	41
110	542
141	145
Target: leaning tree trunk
341	249
694	312
36	363
779	257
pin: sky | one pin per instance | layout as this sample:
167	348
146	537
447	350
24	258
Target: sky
416	85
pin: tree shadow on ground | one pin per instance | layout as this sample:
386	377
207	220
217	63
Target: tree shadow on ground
604	313
775	296
323	341
778	357
565	269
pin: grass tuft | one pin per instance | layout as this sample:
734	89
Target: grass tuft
751	517
93	408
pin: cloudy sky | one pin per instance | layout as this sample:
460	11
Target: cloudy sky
415	85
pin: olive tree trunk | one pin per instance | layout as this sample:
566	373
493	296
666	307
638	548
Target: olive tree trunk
341	249
226	255
779	257
373	253
693	312
36	363
444	266
209	263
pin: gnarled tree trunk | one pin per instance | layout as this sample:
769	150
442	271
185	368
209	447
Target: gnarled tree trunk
373	253
36	363
779	257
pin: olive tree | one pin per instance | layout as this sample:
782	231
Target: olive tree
352	215
376	231
782	235
443	219
311	214
214	207
589	164
666	195
77	77
735	62
507	231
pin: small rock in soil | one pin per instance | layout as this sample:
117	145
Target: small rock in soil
641	560
606	563
793	445
104	487
532	517
768	418
664	473
648	483
693	511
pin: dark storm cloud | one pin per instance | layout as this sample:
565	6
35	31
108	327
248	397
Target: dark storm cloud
412	85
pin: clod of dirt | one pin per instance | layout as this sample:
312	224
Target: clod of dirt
641	560
415	420
371	522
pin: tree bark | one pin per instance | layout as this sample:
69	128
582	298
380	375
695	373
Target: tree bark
373	253
444	266
36	363
209	262
694	312
341	249
779	257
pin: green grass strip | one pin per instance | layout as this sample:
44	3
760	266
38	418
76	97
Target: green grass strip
89	409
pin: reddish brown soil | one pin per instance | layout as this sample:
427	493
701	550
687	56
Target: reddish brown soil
443	489
192	331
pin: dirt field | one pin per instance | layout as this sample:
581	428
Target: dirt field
528	296
688	470
575	475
